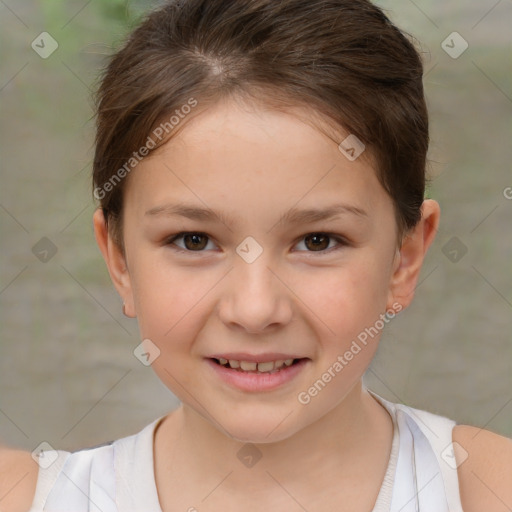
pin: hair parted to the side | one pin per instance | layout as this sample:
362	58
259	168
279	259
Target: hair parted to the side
343	59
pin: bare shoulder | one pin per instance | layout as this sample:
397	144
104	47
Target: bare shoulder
485	470
18	478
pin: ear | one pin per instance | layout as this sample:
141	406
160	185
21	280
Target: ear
116	262
409	259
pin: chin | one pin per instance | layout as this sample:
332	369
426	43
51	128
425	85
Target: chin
256	429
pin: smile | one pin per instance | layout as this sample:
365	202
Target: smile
256	376
253	366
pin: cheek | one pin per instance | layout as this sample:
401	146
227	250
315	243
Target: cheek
346	299
166	301
170	308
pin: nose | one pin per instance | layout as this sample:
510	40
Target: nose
254	298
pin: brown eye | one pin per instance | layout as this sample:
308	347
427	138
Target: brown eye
321	243
317	242
192	242
195	241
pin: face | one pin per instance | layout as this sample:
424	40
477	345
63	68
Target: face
296	261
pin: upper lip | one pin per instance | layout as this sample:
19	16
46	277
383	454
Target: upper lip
256	358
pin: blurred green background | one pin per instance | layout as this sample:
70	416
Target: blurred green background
67	370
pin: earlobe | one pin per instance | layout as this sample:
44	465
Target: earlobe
412	254
116	262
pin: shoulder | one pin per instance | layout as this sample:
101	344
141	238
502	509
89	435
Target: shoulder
18	479
485	469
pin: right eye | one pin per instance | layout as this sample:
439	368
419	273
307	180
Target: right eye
192	241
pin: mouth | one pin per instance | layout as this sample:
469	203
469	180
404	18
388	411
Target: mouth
256	366
252	374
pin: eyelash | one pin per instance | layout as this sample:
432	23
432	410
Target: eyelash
342	242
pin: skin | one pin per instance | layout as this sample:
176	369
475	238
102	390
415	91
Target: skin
286	301
254	164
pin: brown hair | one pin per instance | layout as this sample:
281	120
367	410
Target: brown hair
342	58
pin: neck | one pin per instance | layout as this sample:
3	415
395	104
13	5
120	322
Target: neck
345	441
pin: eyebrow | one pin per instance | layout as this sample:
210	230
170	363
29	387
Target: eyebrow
292	216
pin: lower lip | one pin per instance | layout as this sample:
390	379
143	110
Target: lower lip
249	381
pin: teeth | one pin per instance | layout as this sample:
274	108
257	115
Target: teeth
266	367
248	366
251	366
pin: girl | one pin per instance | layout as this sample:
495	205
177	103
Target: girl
260	167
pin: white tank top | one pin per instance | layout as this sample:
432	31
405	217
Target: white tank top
421	475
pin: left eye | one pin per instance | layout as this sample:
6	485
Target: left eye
318	242
313	242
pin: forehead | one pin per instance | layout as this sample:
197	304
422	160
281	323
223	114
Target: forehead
249	158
